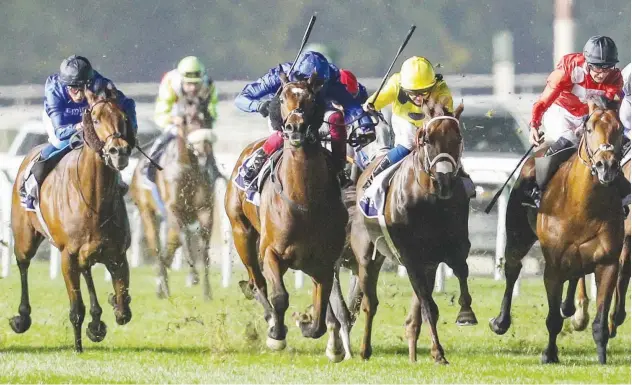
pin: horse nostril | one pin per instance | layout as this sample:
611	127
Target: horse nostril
599	164
289	127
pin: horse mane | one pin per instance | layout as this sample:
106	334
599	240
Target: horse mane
89	133
101	90
603	103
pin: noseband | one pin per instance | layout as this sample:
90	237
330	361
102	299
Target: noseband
441	157
603	147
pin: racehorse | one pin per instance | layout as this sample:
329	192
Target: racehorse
185	191
300	223
579	226
83	215
426	223
580	319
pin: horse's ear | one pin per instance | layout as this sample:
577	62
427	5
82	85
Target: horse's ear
438	110
420	136
91	97
459	110
314	82
591	106
283	76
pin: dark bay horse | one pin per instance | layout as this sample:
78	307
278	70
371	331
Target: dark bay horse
580	319
579	226
300	223
84	213
426	215
186	187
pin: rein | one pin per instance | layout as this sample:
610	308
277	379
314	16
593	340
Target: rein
590	163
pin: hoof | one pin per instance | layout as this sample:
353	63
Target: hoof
162	292
466	318
579	324
549	359
247	290
568	312
496	328
96	332
441	361
366	352
20	324
334	357
276	345
192	279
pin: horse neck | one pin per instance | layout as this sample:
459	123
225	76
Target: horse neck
583	185
304	173
183	148
96	181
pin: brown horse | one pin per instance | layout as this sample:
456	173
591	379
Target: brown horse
426	215
579	225
300	223
580	319
84	213
186	187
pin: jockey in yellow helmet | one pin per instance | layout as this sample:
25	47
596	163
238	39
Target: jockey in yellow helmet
407	91
188	80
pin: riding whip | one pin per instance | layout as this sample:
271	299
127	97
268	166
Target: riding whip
401	48
500	191
147	156
308	31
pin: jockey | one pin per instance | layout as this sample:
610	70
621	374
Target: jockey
64	104
257	96
408	90
562	108
188	80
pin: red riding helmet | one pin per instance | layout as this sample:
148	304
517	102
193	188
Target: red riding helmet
349	80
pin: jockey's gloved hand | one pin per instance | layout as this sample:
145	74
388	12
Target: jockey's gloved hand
366	130
263	108
536	136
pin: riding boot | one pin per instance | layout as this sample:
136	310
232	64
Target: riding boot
254	165
468	183
384	164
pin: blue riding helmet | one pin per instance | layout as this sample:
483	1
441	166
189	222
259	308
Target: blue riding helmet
308	63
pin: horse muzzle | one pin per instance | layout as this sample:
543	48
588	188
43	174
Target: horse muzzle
606	170
292	133
117	157
444	185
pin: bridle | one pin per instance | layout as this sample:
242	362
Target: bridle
309	137
444	162
105	155
590	163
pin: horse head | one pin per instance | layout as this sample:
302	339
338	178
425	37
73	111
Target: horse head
195	125
601	139
298	107
106	128
440	146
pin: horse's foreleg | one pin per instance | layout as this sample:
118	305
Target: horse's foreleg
70	270
245	239
568	305
466	316
623	280
166	259
120	300
22	322
206	227
423	288
279	299
189	253
152	234
413	327
368	273
554	319
96	330
606	276
580	319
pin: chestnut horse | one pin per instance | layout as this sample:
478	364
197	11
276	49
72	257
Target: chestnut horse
579	226
426	215
84	213
300	223
186	187
580	319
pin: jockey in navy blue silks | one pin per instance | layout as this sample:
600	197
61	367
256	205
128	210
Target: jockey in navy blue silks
64	105
258	95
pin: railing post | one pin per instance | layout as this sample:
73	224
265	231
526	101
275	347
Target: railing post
503	68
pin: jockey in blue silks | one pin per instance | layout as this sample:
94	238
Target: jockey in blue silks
64	105
258	97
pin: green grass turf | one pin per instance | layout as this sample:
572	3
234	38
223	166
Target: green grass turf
184	340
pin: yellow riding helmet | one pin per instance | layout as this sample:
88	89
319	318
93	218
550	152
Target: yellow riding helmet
191	69
417	74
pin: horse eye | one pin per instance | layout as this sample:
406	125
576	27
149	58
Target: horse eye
95	121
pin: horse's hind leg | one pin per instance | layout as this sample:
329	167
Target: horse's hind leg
190	256
606	276
206	227
323	281
338	323
568	306
70	269
368	274
413	327
580	319
274	270
152	234
623	280
120	300
96	330
520	238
